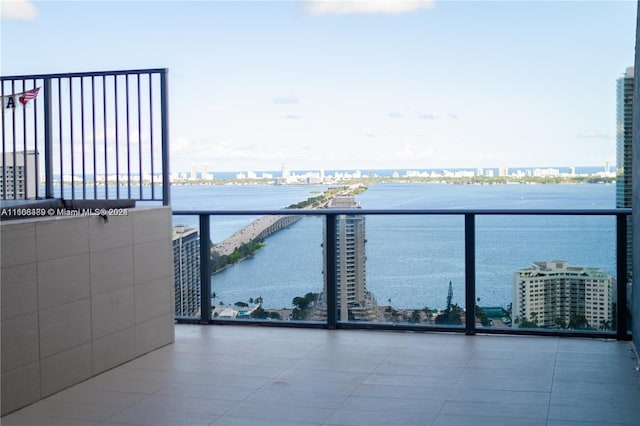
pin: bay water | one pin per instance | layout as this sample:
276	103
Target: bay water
410	259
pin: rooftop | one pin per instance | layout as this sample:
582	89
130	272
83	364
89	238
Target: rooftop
236	375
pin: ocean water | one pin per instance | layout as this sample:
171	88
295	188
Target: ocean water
410	259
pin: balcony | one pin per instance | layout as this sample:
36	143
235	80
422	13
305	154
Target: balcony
233	375
88	333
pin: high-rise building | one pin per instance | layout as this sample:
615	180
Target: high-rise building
624	125
19	171
624	151
193	175
186	271
354	301
555	295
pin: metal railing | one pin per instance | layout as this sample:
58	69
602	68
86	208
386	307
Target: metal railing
621	313
86	136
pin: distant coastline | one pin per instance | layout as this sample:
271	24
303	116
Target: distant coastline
490	176
466	176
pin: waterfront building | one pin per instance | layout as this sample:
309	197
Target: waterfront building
555	295
186	271
549	172
19	172
624	121
624	150
354	301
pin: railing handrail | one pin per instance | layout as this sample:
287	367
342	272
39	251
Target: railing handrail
431	212
82	74
470	226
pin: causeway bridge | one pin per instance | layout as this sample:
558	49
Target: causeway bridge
259	229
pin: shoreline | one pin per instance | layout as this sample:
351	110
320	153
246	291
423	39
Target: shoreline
480	181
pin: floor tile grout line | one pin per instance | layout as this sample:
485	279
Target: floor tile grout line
553	378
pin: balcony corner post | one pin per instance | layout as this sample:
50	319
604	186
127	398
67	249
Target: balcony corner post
48	141
621	275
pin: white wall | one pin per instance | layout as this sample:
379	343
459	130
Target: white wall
80	296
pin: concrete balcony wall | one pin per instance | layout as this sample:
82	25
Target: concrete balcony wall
80	296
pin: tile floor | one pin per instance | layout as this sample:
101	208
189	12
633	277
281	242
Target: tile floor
238	375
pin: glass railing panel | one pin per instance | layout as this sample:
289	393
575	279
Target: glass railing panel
267	268
546	272
413	271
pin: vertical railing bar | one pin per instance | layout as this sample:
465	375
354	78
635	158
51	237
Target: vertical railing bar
330	271
60	152
140	136
48	140
25	177
205	268
93	134
126	81
115	111
35	143
164	105
13	138
82	140
153	184
104	125
4	147
72	151
621	272
470	272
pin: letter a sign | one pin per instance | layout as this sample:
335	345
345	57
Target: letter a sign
9	102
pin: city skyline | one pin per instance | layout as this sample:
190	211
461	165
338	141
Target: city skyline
360	85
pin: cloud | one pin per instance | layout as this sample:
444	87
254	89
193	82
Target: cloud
184	146
291	99
592	134
17	10
410	152
432	116
364	7
428	116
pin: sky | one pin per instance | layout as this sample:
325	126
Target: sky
353	85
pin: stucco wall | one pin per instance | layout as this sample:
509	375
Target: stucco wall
80	296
